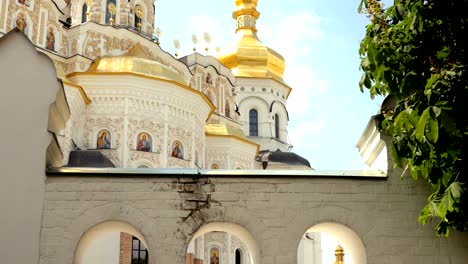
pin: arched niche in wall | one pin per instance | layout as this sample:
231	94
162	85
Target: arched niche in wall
144	142
324	238
280	120
111	11
177	149
52	39
262	108
23	22
246	242
102	242
104	139
140	15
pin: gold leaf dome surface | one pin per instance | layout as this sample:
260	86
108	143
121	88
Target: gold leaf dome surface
136	61
249	57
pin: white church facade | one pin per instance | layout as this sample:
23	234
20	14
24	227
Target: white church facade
139	106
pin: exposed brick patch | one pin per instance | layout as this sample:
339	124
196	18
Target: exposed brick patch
125	248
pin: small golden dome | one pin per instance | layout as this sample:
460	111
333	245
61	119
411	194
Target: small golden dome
249	57
136	61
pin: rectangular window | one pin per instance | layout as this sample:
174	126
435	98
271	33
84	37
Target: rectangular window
139	252
253	123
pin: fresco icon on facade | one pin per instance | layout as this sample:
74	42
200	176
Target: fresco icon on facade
214	256
177	150
144	142
50	39
24	2
208	79
21	23
103	140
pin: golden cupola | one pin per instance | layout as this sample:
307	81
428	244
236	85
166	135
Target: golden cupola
249	57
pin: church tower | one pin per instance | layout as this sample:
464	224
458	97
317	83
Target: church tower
261	90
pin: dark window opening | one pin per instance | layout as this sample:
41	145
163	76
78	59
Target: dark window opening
84	13
138	13
238	256
253	123
139	252
110	11
277	128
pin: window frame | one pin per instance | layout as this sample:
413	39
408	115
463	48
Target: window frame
253	123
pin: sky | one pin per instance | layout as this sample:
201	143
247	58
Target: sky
319	41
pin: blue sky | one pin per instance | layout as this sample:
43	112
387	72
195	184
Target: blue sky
320	42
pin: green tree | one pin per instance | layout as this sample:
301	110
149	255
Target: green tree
414	51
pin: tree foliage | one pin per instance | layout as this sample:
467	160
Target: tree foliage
415	52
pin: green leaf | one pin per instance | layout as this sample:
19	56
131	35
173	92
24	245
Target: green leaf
425	214
421	126
436	110
432	130
442	54
455	190
446	204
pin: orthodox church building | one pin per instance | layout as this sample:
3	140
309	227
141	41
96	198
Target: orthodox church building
134	105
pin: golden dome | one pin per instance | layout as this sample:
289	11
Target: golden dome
249	57
136	61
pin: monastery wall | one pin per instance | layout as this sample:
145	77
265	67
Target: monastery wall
275	212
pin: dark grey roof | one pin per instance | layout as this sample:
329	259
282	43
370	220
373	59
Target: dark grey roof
89	158
290	158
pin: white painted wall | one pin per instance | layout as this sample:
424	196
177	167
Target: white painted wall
310	249
28	86
103	249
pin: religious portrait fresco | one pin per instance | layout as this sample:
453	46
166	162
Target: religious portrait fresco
21	23
208	79
144	142
24	2
103	140
227	109
177	150
50	39
214	256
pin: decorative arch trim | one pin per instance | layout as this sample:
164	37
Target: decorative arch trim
281	104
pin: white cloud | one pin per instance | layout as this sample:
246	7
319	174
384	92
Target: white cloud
295	33
301	134
307	86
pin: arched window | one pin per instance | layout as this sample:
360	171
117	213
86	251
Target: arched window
277	128
84	13
238	256
138	13
110	11
253	123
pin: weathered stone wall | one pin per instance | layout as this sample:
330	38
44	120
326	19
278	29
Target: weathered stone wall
275	210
